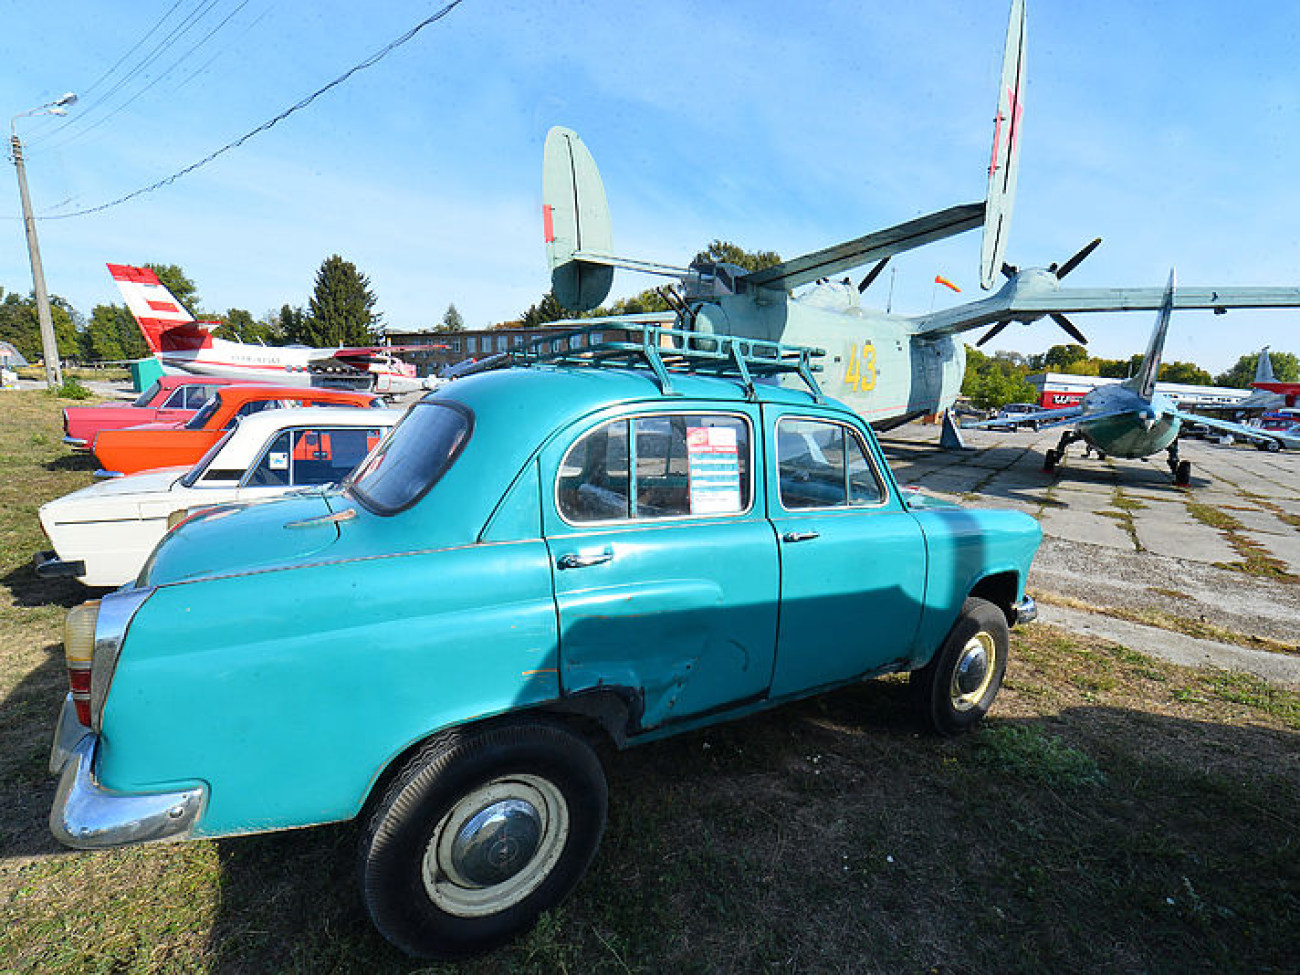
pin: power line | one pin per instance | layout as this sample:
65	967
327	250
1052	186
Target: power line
158	78
368	62
147	34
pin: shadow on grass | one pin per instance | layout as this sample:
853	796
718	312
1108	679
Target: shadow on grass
76	461
27	720
833	836
29	589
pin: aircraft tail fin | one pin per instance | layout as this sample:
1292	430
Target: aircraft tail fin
1144	383
575	217
163	321
1264	368
1005	159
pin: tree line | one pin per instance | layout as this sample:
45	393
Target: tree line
994	380
340	312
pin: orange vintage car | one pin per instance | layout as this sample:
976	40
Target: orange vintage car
153	445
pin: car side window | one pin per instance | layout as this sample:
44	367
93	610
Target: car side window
680	465
253	406
313	456
196	396
176	401
823	465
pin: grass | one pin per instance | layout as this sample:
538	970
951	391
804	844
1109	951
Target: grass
1255	559
1115	813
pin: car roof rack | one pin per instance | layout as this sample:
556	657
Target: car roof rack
665	351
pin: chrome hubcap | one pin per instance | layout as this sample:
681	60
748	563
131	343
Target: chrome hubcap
497	843
496	846
974	671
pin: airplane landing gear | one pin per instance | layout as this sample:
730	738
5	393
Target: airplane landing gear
1053	457
1181	469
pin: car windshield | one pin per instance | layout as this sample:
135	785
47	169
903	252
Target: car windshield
412	458
144	398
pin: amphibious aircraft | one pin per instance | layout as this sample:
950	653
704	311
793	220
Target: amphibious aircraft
180	342
1133	419
890	368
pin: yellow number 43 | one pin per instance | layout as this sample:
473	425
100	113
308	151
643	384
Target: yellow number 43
861	374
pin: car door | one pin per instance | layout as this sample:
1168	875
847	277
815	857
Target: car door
177	407
852	557
664	566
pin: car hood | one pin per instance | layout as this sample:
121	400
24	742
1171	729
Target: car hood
236	538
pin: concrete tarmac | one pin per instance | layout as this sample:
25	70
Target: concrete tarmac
1119	535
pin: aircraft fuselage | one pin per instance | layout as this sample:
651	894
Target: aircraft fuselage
874	361
1144	427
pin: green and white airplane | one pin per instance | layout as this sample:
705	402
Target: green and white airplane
890	368
1133	419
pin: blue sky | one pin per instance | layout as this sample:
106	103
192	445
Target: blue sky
1167	128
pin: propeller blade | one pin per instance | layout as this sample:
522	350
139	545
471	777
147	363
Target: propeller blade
1009	271
1069	328
874	273
992	332
1076	260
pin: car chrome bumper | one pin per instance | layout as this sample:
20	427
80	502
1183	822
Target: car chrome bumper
1026	610
48	565
75	442
102	473
89	817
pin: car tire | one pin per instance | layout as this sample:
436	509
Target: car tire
478	834
957	687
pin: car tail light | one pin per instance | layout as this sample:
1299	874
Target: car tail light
92	642
79	651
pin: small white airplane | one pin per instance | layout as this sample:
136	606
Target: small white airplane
180	342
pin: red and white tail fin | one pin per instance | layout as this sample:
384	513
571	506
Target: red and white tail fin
164	322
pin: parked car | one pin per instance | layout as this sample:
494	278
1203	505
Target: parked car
535	561
103	533
154	445
170	399
1013	416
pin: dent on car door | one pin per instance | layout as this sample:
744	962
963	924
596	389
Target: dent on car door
852	558
664	568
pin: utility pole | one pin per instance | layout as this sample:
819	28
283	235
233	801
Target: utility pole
49	347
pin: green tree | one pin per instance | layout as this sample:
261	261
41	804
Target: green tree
1286	368
112	335
293	325
452	321
342	306
21	326
545	311
725	252
992	381
1188	373
181	287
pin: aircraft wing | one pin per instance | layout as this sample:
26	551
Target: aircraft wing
1027	303
871	247
1254	434
1044	418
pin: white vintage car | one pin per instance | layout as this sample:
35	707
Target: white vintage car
102	534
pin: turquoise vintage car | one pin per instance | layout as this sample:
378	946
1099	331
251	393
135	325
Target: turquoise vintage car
537	558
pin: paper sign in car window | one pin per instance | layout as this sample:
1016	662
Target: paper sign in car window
279	460
714	470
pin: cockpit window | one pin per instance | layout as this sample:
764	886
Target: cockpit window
421	448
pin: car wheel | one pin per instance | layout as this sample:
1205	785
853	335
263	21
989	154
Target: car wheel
956	688
480	833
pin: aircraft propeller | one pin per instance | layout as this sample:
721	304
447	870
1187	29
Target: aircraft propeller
1059	271
874	273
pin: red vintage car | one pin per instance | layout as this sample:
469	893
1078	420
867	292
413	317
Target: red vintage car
153	445
171	399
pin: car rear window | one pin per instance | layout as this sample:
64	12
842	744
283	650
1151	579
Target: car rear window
144	398
421	448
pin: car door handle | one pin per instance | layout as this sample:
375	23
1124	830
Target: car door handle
799	536
576	560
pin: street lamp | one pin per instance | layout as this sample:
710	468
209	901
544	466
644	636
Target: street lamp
49	348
